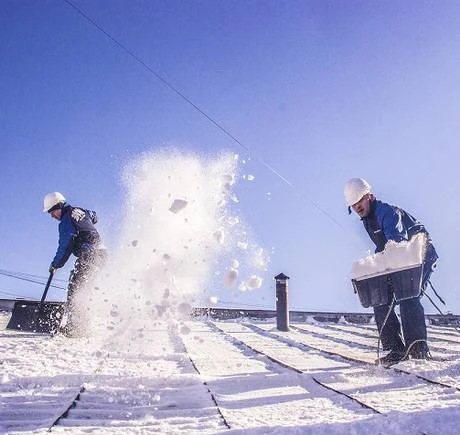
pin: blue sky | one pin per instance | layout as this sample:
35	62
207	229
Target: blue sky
322	91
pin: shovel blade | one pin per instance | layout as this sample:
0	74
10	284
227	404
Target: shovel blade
29	316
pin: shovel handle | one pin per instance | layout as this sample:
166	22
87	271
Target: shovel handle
46	288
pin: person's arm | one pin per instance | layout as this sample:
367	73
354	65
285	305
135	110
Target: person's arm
392	225
67	233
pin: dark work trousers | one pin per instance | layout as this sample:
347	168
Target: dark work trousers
412	320
84	269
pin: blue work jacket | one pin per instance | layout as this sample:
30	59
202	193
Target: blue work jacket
77	234
386	222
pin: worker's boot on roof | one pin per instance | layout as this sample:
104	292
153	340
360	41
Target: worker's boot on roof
392	357
420	351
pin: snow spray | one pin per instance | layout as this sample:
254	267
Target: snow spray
179	237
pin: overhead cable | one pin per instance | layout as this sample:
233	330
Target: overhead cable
23	278
299	193
29	275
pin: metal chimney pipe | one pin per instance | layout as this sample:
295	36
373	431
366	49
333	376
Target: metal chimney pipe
282	309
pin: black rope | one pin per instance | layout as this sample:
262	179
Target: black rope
439	311
436	293
434	305
416	341
393	301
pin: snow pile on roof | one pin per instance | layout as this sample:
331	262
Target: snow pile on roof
396	256
179	232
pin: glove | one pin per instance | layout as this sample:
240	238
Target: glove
52	269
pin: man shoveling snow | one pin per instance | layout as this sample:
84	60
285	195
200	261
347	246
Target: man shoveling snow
77	236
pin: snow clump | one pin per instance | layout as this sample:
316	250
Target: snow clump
395	256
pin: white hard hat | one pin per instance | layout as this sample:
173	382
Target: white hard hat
52	199
355	189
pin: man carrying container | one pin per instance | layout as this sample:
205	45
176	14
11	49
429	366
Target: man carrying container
384	222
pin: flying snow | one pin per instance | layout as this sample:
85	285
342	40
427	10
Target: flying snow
179	235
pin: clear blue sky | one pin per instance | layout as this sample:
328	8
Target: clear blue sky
320	90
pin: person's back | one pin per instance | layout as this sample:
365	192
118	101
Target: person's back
78	231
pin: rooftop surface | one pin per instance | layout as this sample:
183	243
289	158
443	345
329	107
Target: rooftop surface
212	377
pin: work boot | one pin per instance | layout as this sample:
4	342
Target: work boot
391	358
420	351
422	354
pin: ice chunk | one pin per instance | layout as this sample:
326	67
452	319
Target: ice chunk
233	220
228	180
260	259
219	235
243	245
178	205
230	277
253	282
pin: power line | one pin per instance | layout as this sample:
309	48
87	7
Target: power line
130	53
28	275
23	278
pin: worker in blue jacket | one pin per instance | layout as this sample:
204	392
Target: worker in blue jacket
384	222
77	236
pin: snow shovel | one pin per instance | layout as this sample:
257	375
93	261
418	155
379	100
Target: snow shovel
36	316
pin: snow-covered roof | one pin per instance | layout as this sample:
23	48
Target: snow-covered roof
232	377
